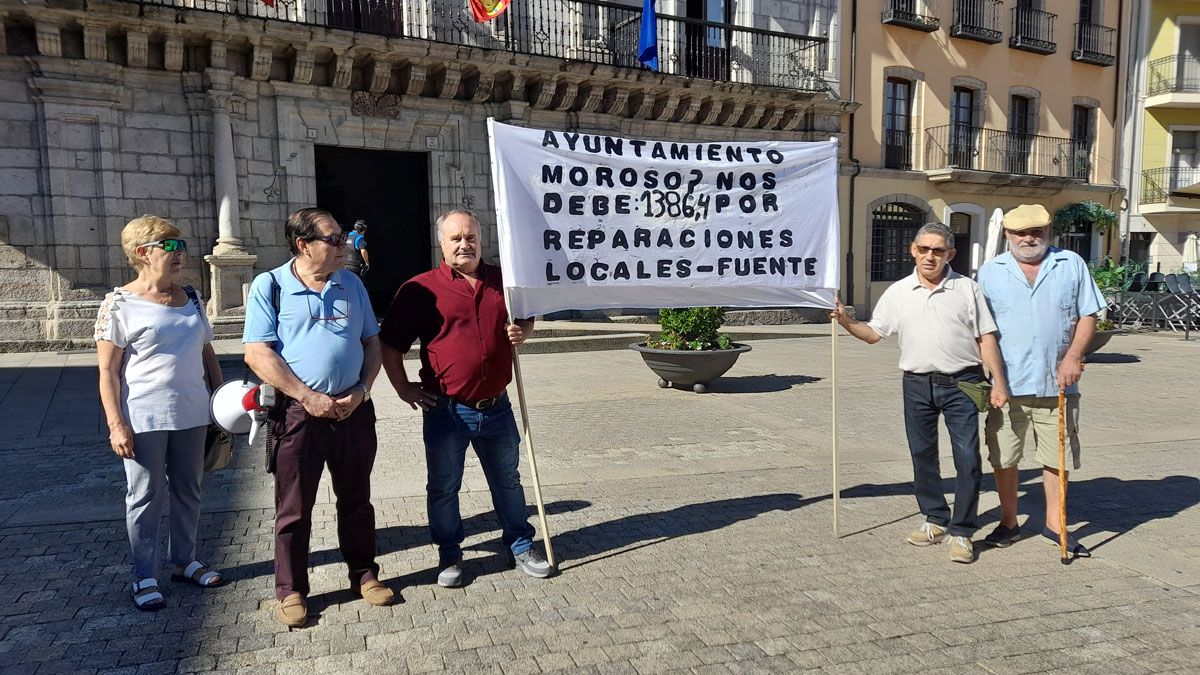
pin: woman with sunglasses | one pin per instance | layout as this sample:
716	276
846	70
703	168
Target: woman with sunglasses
156	367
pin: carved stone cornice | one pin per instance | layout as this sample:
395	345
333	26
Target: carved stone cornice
481	85
447	82
756	114
607	93
569	90
693	108
137	49
77	92
412	79
173	53
343	71
542	92
95	41
665	109
516	87
302	67
217	54
260	66
710	111
381	76
733	114
592	98
49	37
616	101
644	107
774	117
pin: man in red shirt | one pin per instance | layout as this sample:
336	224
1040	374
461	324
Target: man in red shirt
457	311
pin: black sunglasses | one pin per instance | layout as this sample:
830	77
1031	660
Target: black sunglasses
334	240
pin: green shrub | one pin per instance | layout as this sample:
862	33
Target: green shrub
691	328
1082	215
1105	324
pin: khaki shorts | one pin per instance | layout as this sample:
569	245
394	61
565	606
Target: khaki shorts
1007	427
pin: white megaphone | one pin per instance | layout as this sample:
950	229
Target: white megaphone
240	406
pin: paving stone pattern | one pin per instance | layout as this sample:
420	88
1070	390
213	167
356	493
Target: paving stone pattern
693	532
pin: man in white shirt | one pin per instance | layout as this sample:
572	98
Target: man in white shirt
946	332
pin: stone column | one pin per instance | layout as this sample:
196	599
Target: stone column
231	265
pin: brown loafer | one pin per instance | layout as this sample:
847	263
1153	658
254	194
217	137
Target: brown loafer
292	611
375	593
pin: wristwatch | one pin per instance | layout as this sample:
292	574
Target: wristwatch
366	392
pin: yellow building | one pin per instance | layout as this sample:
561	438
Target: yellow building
969	106
1163	134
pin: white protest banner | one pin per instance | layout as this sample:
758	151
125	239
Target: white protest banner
588	221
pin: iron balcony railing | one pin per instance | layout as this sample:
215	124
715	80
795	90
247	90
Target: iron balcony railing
897	149
1095	44
957	146
916	14
595	31
977	20
1178	74
1158	184
1033	30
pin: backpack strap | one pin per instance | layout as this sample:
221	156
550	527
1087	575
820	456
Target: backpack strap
276	291
191	293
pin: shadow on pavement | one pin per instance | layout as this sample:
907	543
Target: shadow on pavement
614	537
758	384
1112	358
1107	505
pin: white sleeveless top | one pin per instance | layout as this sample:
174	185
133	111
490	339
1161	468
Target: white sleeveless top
162	373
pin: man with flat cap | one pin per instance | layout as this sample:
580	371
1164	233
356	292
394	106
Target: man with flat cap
1045	304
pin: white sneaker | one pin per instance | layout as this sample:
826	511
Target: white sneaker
451	576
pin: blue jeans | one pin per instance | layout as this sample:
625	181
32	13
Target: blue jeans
448	428
924	399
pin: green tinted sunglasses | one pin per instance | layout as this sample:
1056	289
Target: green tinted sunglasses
169	245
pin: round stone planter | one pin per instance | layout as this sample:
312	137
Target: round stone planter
1100	339
682	368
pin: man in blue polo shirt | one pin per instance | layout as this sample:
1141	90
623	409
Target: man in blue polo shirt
1045	304
310	332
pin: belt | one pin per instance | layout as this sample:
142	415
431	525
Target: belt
946	379
480	404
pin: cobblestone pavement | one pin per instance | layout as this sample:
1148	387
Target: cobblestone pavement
693	532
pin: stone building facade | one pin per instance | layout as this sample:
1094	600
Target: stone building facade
226	115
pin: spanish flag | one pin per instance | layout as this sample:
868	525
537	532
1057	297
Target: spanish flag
486	10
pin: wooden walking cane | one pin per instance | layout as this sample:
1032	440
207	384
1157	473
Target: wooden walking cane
1062	475
533	472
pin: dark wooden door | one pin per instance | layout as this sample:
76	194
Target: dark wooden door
389	190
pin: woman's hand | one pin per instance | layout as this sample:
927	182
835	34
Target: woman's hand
120	437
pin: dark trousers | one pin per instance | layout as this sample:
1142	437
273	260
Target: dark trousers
925	397
306	445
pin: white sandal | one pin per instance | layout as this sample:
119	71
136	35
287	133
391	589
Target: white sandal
198	573
146	595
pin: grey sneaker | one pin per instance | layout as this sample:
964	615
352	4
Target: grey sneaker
926	535
451	576
533	563
961	550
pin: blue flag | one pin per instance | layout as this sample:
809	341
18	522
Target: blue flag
648	36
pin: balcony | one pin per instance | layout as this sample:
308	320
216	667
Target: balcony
592	31
919	15
1173	82
1033	31
897	150
1095	44
1163	187
977	20
989	157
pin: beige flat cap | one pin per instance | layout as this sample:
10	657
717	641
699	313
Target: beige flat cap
1026	217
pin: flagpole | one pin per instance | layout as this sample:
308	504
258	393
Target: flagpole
833	398
525	431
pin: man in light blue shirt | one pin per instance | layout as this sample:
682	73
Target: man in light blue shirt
1045	304
310	332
